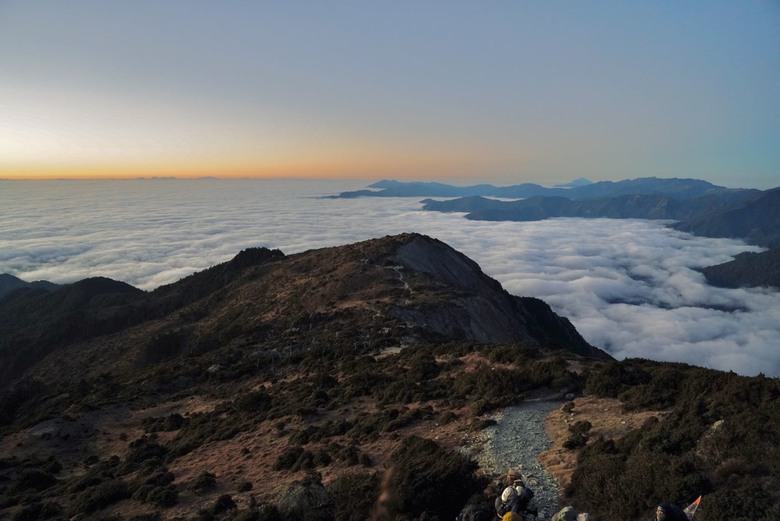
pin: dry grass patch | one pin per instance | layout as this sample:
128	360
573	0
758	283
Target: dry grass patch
607	419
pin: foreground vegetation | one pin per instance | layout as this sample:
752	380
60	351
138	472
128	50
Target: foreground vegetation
718	437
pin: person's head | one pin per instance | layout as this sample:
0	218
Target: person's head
584	517
567	514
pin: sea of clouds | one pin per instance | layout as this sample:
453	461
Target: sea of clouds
629	286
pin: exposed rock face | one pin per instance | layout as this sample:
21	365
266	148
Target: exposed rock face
306	502
479	308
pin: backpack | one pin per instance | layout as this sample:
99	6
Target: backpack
501	507
524	494
511	516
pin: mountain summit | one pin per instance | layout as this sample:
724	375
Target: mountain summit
398	290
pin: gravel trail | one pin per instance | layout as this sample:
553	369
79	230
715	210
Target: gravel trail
515	443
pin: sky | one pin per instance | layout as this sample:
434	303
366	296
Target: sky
505	92
629	286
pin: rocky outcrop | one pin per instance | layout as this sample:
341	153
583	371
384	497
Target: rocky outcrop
480	309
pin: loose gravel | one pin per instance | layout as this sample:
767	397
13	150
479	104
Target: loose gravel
515	442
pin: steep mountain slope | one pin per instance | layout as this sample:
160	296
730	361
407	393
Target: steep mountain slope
34	321
757	221
748	269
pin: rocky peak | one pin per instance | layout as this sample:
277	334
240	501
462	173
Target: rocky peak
427	255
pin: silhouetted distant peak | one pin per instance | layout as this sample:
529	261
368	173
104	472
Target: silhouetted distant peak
9	283
580	181
103	285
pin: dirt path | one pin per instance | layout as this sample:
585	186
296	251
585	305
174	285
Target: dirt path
530	438
515	442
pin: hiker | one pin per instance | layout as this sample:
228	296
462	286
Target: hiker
669	512
524	495
507	502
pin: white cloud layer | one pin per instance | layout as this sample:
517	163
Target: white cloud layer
629	286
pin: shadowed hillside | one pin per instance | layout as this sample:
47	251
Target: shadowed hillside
748	269
9	283
757	221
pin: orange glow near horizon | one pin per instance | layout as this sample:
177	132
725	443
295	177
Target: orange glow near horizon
364	163
236	172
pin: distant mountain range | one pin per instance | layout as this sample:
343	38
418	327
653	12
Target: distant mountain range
636	206
679	189
751	215
699	207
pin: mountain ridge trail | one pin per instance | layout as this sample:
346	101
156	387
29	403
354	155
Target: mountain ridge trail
515	443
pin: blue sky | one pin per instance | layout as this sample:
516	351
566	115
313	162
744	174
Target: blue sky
542	91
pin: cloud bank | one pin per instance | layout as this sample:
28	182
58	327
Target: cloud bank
629	286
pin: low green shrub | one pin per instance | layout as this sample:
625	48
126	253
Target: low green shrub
426	477
204	482
39	510
223	504
172	422
354	495
288	458
99	497
33	479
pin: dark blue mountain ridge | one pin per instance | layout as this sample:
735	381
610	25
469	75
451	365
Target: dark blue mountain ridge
756	220
677	188
9	283
630	206
747	269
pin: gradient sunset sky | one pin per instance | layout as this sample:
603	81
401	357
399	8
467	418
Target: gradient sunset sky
495	91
